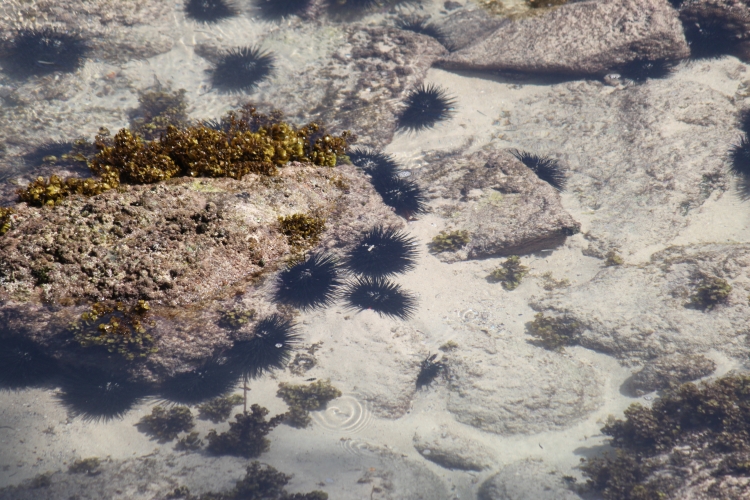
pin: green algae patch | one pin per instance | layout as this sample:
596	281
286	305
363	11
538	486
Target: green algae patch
6	221
709	292
218	409
553	333
449	241
166	424
302	229
302	399
510	273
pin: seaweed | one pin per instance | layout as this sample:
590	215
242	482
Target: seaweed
554	333
236	318
709	292
246	436
613	259
166	424
218	409
88	466
510	273
6	219
158	110
301	230
116	327
449	241
303	399
190	442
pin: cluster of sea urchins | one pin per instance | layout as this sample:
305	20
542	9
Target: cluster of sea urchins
400	193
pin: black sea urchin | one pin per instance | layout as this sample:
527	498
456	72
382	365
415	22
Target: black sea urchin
382	296
420	25
740	156
269	348
309	284
429	370
640	70
43	51
96	395
382	252
547	169
214	378
209	11
405	196
23	364
277	9
425	106
710	38
375	163
242	69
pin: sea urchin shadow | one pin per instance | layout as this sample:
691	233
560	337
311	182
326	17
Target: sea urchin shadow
547	169
382	296
213	379
96	395
43	51
309	284
424	107
382	252
270	347
209	11
278	9
374	163
242	69
23	364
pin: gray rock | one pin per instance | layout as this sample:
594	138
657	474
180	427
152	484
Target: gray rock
452	451
465	27
522	394
526	480
585	38
504	206
643	312
668	371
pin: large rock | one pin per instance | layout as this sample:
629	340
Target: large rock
504	206
191	248
526	480
585	38
452	450
644	312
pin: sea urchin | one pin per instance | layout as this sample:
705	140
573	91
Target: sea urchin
405	196
375	163
382	252
740	156
242	69
97	395
382	296
547	169
277	9
209	11
43	51
212	379
309	284
268	349
640	70
425	106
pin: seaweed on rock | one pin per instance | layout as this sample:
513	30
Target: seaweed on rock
554	333
382	252
309	284
449	241
510	273
246	436
269	348
382	296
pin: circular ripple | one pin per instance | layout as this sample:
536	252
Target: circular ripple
355	447
345	415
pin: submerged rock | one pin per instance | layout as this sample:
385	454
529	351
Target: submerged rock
582	38
645	312
466	27
452	451
502	205
669	371
526	480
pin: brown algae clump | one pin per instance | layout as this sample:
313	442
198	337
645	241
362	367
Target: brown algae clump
248	142
218	409
711	290
6	219
246	436
301	229
166	424
554	333
510	273
117	327
88	466
302	399
449	241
